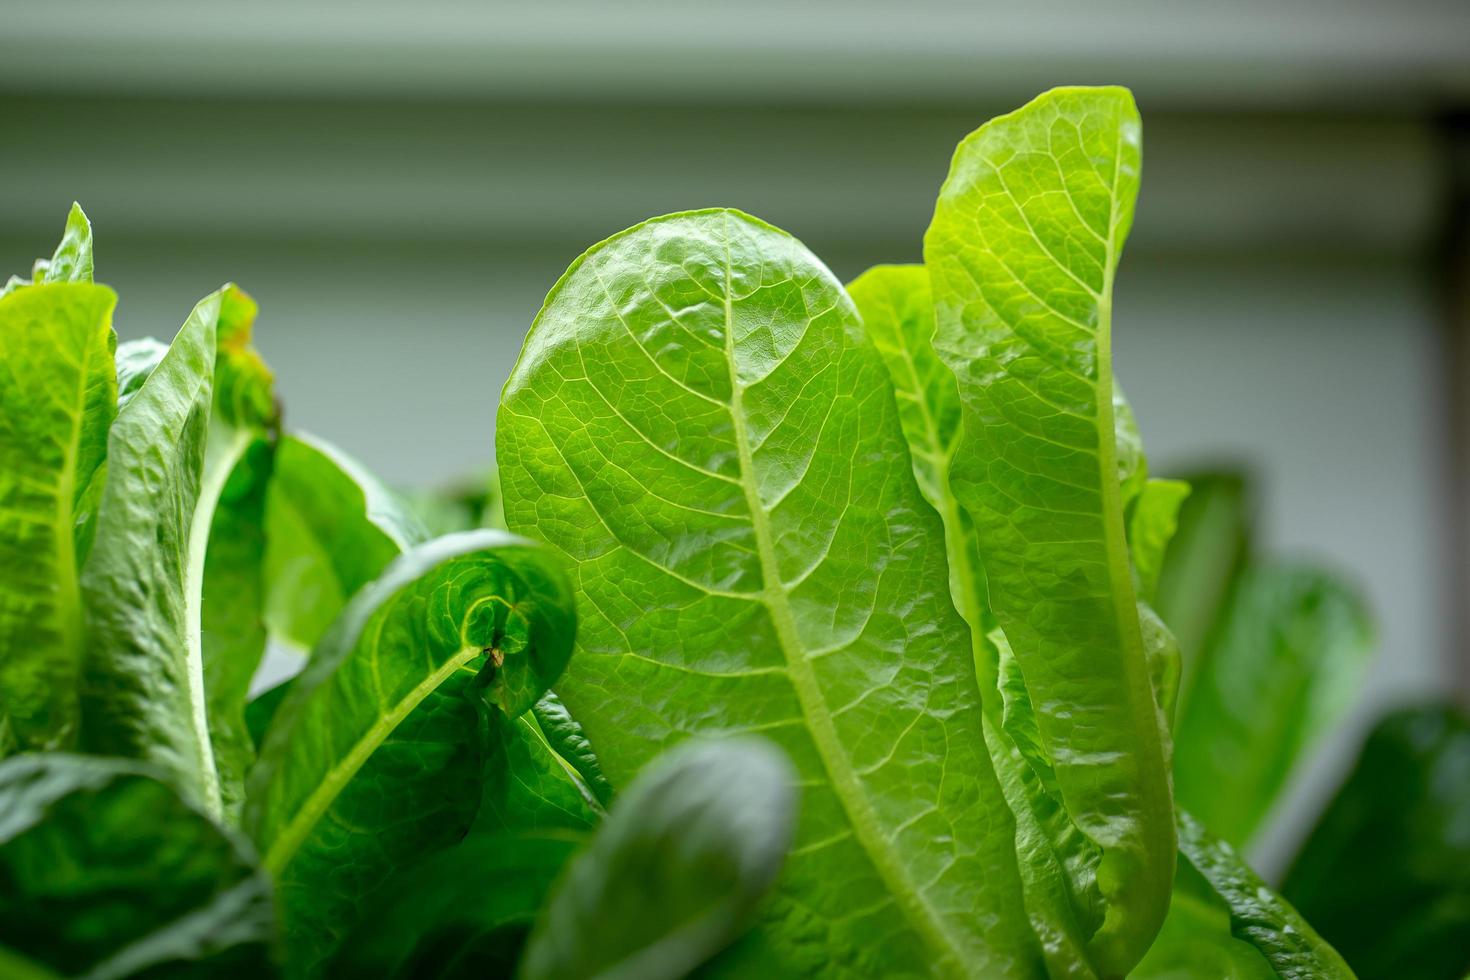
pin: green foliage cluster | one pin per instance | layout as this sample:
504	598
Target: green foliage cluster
830	641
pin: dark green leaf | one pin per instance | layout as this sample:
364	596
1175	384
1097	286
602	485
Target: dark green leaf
1280	670
56	404
698	423
331	528
106	873
1208	549
463	914
1022	254
674	873
373	759
1386	873
1258	916
143	687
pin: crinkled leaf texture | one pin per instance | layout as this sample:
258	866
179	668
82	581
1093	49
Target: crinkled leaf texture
56	404
674	874
698	423
1022	253
143	683
1385	875
1224	922
1282	667
105	872
373	757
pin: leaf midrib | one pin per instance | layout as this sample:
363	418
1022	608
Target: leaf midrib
841	774
295	831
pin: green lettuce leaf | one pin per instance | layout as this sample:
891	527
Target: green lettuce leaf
72	260
1207	551
1282	668
108	873
1057	864
698	423
1258	917
143	686
56	404
331	528
1385	875
238	466
1151	526
372	759
463	914
1022	253
674	874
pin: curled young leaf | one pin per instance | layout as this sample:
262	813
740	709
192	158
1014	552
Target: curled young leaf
372	758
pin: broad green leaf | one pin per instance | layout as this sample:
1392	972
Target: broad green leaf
1057	864
1151	527
464	914
1258	916
72	260
698	423
675	872
331	528
1385	875
1022	254
1283	667
56	404
108	873
143	686
1207	551
373	757
136	359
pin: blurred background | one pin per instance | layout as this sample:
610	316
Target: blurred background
399	184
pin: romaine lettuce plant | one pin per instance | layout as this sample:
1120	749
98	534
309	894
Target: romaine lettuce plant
891	546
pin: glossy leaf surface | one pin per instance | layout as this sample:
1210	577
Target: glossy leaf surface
143	687
372	758
1022	254
1258	916
56	404
1386	873
72	260
674	873
698	423
106	873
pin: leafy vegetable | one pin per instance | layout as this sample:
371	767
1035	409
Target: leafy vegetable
1386	873
697	422
105	872
371	756
674	874
56	403
72	260
1022	253
332	527
143	687
1284	666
